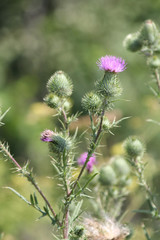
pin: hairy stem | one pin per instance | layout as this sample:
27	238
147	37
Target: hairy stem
28	176
30	179
90	152
8	155
67	185
157	78
144	185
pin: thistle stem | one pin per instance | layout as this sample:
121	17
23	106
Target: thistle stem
30	179
90	152
157	78
7	153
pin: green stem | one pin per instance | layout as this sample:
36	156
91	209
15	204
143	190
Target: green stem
157	78
90	152
67	185
144	185
8	154
145	232
30	179
67	189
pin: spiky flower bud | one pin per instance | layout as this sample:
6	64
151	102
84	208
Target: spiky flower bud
59	144
106	124
52	100
154	62
107	175
120	166
67	105
47	135
91	102
133	147
133	42
60	84
109	86
149	32
79	231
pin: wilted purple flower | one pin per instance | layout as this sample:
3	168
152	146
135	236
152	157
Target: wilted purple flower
92	161
47	135
111	64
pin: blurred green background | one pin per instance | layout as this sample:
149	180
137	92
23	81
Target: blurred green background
39	37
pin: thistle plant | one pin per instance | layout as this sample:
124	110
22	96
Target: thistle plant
62	144
146	41
135	149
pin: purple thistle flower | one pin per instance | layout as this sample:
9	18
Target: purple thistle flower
92	161
47	135
111	64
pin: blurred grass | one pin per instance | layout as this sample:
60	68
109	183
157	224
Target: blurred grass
36	39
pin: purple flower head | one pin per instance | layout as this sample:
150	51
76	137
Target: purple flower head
92	161
111	64
47	135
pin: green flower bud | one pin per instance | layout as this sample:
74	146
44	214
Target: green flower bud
106	124
134	148
120	166
52	100
60	84
132	42
78	231
149	32
124	181
67	105
154	62
109	86
91	102
107	176
59	144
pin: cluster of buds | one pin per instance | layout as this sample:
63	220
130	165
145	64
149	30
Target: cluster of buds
116	172
146	40
60	88
146	36
134	148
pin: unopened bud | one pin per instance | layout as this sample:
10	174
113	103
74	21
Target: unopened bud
149	32
120	166
109	86
67	105
154	62
47	135
59	144
78	231
106	124
91	102
107	175
60	84
132	42
134	148
52	100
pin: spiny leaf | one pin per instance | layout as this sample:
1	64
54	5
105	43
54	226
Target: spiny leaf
31	199
76	211
35	199
2	116
19	195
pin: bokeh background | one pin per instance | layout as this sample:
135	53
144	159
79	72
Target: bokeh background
39	37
